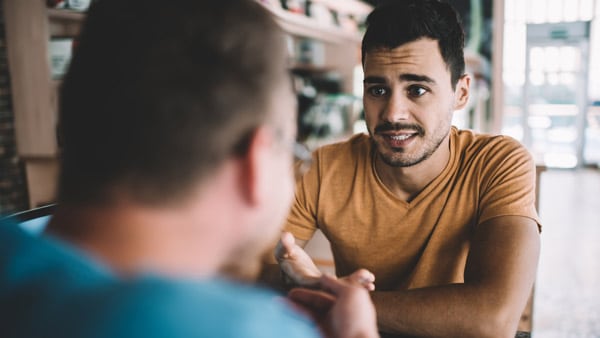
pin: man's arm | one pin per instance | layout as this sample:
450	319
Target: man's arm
296	268
272	273
499	276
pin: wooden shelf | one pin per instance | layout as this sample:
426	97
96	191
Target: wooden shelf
303	68
29	26
65	14
301	25
356	7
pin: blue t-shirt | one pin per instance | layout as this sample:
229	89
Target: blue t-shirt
51	289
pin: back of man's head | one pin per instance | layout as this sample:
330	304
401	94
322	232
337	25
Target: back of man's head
396	22
159	93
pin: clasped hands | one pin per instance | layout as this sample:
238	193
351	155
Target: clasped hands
341	307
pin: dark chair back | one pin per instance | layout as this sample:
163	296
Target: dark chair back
33	220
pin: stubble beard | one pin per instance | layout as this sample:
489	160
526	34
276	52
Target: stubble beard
397	158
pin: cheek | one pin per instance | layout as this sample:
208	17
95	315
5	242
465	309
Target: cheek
285	188
371	114
290	185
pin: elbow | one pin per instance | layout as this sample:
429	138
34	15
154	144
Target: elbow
498	324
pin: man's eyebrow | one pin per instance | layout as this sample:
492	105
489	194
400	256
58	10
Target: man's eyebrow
374	79
404	77
416	78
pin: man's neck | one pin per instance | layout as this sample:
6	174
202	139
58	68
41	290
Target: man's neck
407	182
134	239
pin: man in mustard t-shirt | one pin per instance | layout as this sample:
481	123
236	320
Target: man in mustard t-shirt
443	218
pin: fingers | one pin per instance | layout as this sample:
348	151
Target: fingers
353	314
295	263
362	277
299	267
287	239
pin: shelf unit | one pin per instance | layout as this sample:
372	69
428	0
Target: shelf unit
65	14
301	25
341	47
29	26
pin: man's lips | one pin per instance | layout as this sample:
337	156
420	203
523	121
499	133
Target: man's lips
398	139
388	128
398	135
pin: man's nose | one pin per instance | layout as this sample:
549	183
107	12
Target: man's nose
396	108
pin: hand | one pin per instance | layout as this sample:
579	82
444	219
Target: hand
295	262
362	277
342	310
299	267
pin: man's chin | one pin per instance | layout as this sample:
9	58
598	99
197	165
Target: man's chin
398	163
395	159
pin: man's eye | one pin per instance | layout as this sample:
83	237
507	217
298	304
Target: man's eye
416	91
377	91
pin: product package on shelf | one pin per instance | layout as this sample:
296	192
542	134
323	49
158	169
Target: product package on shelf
76	5
60	51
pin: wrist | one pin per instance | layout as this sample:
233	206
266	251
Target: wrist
309	280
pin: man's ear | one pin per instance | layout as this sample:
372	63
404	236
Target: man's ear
255	164
461	93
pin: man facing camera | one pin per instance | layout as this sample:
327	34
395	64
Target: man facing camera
443	218
177	131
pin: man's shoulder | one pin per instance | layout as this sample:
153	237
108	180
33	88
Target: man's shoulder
155	307
209	293
46	290
490	159
486	146
473	138
352	149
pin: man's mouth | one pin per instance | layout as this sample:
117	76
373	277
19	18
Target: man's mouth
399	140
401	137
396	135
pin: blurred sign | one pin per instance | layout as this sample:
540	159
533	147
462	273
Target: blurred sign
559	31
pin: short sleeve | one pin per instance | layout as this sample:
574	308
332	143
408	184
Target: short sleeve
508	182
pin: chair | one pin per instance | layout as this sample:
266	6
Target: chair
33	220
526	322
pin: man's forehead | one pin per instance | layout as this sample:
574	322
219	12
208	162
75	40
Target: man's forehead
409	52
421	56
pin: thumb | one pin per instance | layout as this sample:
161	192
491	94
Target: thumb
286	245
288	240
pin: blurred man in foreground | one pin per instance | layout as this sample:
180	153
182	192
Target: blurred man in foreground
177	131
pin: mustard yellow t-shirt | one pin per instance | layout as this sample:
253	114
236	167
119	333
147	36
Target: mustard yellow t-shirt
424	242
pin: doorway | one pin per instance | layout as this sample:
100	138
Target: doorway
556	108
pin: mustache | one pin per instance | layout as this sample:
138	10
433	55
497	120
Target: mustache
389	126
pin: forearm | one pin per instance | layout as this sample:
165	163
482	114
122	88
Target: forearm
457	310
499	275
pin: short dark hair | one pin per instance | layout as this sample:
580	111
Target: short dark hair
396	22
160	93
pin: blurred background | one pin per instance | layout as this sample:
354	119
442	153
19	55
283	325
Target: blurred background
535	66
